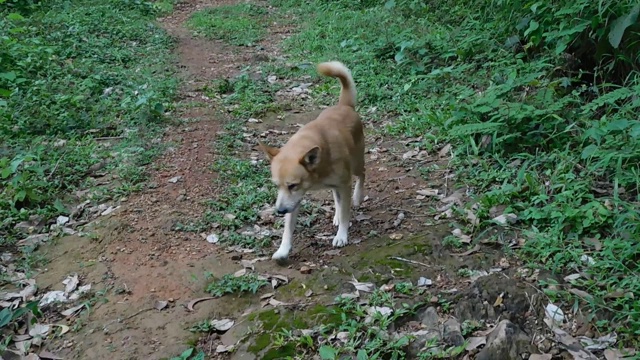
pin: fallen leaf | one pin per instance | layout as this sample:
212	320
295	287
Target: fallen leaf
350	295
471	217
395	236
499	300
411	153
469	252
580	293
445	150
175	179
505	219
383	310
192	303
616	354
240	273
342	336
282	278
274	302
601	343
360	286
212	238
51	297
333	252
571	277
160	305
422	281
224	349
267	295
63	329
71	283
72	310
475	342
222	324
554	313
570	343
465	239
247	264
540	357
427	192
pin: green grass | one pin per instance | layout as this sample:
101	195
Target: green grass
230	284
80	84
243	188
240	25
529	129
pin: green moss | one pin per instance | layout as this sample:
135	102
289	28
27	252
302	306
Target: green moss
288	349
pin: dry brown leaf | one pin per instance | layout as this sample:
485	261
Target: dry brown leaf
499	300
267	295
73	310
360	286
469	252
222	324
192	303
160	305
428	192
475	342
465	239
540	357
444	151
240	273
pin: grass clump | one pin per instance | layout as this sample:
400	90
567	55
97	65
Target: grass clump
540	102
80	84
240	25
230	284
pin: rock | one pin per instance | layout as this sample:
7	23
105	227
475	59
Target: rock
305	270
430	318
431	334
452	332
506	342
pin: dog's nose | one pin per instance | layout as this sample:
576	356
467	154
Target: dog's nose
282	211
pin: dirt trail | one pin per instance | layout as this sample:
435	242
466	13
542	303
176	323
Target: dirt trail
135	258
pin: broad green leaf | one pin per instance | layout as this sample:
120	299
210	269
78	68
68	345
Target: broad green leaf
327	352
621	24
589	151
5	317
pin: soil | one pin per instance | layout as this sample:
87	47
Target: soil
135	258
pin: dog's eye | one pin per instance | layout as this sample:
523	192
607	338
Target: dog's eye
292	186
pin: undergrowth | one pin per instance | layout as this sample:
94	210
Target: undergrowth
242	190
81	83
539	99
241	24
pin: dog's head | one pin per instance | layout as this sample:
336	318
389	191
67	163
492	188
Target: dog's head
292	174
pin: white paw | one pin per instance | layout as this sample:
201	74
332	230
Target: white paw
340	240
281	254
336	219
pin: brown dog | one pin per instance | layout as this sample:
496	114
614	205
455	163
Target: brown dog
323	154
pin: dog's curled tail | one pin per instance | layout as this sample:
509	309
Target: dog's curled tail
337	69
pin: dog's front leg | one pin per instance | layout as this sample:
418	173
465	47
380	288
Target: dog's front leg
336	200
287	236
344	213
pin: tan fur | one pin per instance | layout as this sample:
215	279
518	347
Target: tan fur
325	153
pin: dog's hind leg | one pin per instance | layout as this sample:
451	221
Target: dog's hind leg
287	237
358	171
344	215
336	199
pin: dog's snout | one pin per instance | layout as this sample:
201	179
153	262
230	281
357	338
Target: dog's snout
282	211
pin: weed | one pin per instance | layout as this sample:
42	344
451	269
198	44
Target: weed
230	284
241	24
539	102
190	354
97	81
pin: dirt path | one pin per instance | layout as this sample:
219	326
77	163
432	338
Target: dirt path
136	260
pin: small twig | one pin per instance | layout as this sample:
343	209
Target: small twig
135	314
56	165
108	138
409	261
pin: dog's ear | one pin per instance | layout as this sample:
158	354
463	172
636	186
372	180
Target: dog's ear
311	158
270	151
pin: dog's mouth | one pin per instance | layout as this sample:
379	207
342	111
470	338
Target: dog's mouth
289	210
